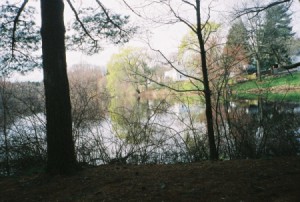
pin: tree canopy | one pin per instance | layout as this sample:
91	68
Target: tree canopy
128	71
277	35
20	38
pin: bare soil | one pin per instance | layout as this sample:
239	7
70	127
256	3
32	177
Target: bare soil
275	179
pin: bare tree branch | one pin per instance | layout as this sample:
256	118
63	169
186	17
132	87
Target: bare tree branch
189	3
108	17
258	9
291	66
132	9
172	65
206	38
80	22
16	20
182	20
169	87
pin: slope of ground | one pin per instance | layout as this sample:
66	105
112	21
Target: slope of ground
275	179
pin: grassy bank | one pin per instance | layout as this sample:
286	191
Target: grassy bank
283	87
279	87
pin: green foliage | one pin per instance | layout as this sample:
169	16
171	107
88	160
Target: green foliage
189	50
294	46
130	119
270	82
190	41
237	34
236	44
22	54
99	26
116	77
267	38
18	53
120	114
277	34
186	85
127	72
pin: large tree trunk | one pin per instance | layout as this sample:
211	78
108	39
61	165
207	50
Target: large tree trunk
60	145
213	154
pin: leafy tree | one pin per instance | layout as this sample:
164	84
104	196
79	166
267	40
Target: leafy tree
17	24
128	72
20	39
188	50
268	37
235	49
277	10
189	53
97	26
116	77
277	36
294	46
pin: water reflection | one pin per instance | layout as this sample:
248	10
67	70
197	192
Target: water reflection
260	128
160	131
167	131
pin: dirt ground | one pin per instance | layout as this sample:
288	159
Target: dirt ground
275	179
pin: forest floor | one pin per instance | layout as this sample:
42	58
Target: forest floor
276	179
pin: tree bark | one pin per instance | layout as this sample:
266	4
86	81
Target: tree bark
258	72
291	66
60	145
213	153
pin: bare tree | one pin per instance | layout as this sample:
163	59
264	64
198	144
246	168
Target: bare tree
198	26
5	96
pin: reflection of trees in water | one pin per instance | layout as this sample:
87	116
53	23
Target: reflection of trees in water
144	131
173	130
280	124
264	129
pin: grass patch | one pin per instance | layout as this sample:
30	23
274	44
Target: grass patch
268	82
289	96
284	87
186	85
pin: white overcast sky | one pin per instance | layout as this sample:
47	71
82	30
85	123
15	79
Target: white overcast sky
165	38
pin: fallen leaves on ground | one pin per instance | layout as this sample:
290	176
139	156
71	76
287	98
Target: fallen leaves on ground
275	179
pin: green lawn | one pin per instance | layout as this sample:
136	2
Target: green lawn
279	87
273	87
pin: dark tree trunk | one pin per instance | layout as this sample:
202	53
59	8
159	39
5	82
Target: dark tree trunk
291	66
60	145
213	154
